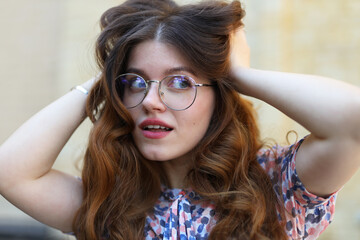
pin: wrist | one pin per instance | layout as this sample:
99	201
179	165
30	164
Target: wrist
239	79
89	83
81	89
86	86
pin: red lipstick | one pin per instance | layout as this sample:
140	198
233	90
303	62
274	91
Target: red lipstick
155	128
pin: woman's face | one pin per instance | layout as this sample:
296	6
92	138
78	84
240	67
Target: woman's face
154	60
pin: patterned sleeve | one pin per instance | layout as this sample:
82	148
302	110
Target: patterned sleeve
307	215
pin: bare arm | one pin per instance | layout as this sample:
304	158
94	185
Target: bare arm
328	108
26	159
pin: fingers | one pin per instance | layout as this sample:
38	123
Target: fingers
240	50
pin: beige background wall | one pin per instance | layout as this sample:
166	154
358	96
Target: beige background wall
46	47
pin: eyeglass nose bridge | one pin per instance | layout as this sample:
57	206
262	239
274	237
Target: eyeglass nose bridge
153	81
161	94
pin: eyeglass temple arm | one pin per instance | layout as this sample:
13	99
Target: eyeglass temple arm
204	85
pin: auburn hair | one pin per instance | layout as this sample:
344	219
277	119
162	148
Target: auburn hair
120	186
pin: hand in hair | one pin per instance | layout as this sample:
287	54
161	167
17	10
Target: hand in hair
240	50
239	56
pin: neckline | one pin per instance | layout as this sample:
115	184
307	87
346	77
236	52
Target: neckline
171	194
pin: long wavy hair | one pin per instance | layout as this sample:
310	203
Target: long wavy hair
120	186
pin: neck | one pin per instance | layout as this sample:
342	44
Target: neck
176	171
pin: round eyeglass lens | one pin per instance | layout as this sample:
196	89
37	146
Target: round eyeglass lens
177	92
131	89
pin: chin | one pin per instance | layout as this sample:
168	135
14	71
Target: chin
156	156
161	155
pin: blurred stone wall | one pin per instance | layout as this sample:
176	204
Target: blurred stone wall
313	37
47	46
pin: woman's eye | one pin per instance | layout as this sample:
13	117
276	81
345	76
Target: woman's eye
179	82
137	83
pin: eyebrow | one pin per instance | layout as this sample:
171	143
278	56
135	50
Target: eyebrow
167	72
135	70
180	69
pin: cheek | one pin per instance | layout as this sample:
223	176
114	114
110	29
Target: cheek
200	115
134	114
206	108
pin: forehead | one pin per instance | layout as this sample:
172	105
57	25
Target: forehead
152	55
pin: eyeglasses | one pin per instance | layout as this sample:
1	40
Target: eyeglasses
177	92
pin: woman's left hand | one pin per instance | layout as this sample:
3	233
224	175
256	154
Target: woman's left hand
239	55
240	50
328	108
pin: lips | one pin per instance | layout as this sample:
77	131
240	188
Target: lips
155	128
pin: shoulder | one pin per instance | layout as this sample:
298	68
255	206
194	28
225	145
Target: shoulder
277	159
307	215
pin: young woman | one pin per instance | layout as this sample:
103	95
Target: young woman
174	152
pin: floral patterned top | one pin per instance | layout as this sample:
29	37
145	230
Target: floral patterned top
177	217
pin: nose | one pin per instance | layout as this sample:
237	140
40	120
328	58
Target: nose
152	100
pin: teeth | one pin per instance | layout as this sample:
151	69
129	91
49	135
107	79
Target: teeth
157	127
